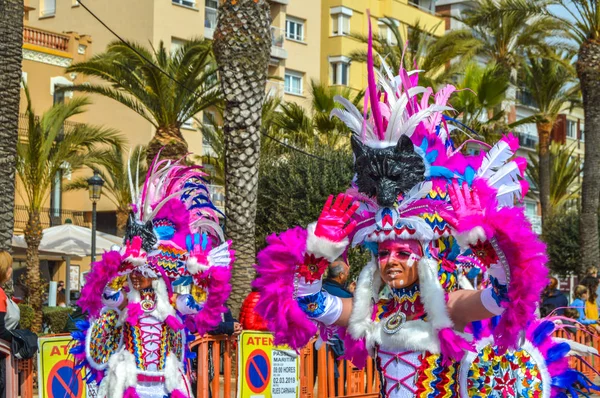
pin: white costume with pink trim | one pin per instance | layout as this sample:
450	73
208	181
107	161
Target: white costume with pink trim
169	280
413	184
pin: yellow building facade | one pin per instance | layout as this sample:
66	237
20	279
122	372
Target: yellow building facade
309	42
341	17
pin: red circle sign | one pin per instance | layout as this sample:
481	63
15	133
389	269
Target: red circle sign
64	381
258	371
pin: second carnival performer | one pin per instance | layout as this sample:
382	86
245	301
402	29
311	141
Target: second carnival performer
430	216
170	279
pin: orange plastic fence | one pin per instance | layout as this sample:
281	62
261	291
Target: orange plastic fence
17	369
588	340
317	371
316	382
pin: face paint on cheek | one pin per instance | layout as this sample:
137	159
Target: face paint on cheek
412	259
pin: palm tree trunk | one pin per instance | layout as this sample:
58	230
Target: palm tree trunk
588	70
33	237
544	131
11	42
242	46
169	142
122	215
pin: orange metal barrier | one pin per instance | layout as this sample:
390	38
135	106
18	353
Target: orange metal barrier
589	341
17	369
319	383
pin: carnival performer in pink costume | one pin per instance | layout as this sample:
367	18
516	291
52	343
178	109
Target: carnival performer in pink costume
432	217
169	280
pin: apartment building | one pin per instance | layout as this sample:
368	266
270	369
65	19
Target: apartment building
294	54
341	17
519	105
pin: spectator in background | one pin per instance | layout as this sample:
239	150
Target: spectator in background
553	300
337	278
249	318
335	284
60	287
581	296
9	314
591	307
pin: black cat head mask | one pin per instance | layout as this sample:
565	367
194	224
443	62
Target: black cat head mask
385	173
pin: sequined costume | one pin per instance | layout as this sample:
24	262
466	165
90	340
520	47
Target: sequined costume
169	280
449	216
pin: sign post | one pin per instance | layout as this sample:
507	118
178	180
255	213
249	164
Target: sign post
57	377
266	370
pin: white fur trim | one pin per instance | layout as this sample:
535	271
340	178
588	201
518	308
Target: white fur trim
535	354
322	247
360	324
137	261
193	266
433	295
122	373
163	305
416	335
470	237
174	374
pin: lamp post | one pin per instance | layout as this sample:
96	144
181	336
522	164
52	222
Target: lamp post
95	184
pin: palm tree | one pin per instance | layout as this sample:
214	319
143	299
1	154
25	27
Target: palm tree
481	89
242	47
11	43
421	49
552	87
44	152
213	158
565	173
583	26
508	38
167	92
114	169
314	127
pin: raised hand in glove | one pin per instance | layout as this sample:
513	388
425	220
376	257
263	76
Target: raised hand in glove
335	222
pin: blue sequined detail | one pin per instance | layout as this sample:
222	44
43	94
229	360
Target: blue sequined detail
499	291
313	305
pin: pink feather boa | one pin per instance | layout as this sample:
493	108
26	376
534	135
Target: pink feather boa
525	254
102	273
277	267
218	289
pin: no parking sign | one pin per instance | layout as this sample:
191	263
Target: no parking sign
265	370
57	377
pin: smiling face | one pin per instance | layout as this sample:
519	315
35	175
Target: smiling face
398	262
139	281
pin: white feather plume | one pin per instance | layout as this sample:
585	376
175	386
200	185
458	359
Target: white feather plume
495	158
419	191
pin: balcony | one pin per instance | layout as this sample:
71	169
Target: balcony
49	217
24	126
423	5
524	98
210	22
527	140
277	39
43	38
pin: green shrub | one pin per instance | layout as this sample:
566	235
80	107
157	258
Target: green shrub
27	315
56	318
